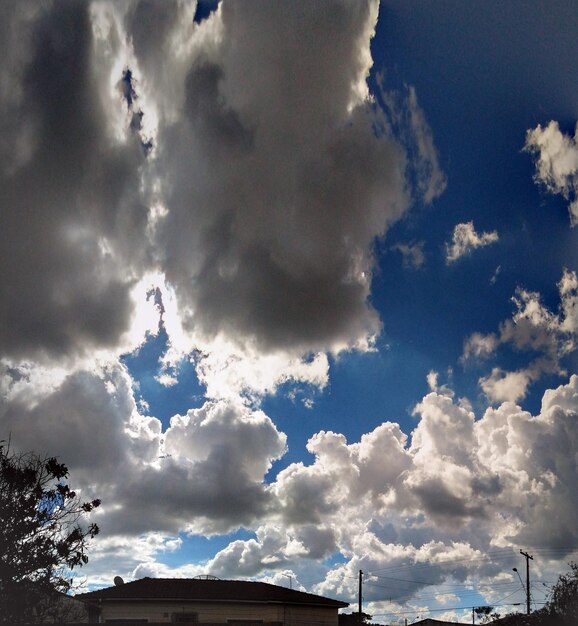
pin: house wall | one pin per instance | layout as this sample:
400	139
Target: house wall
309	616
221	612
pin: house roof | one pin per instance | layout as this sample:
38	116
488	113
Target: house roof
208	590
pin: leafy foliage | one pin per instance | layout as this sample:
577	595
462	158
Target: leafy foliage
561	609
346	619
485	614
563	603
43	534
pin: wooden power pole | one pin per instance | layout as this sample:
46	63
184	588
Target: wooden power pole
360	594
528	557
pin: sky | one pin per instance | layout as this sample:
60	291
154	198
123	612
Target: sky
292	288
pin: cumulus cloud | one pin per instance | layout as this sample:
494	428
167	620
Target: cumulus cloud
534	328
205	472
465	240
228	372
556	157
458	486
115	189
461	486
210	477
72	215
502	386
272	245
267	254
267	245
89	419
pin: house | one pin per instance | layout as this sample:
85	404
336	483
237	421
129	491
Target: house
209	601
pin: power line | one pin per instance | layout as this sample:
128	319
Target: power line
447	608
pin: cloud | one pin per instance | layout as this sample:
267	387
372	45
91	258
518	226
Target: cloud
457	486
210	478
465	239
474	482
73	219
229	372
534	329
206	471
88	419
257	265
502	386
266	255
271	550
412	254
479	346
432	379
556	157
408	120
495	275
431	179
272	246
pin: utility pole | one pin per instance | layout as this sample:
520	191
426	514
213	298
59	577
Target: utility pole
360	593
528	557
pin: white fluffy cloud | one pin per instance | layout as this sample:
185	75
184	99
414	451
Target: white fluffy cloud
463	485
120	216
113	186
465	239
458	486
556	162
88	419
480	346
533	328
205	473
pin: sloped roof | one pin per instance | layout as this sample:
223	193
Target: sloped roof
208	590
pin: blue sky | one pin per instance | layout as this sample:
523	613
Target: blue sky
297	295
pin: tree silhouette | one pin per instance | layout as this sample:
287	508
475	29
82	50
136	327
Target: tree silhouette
485	614
43	535
560	610
563	603
352	619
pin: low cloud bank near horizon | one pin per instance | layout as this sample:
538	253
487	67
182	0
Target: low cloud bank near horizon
456	483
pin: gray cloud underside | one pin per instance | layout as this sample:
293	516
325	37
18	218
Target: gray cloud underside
278	187
67	192
264	157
